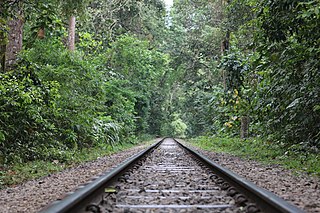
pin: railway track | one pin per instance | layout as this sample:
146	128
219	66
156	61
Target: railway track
168	177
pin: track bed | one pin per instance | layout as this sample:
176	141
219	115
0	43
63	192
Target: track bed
170	180
169	177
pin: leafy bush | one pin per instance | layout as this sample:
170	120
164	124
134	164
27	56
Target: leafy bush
27	106
261	150
53	102
58	101
289	90
179	128
276	80
81	91
141	69
105	131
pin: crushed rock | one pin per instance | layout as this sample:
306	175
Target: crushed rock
299	189
34	195
31	196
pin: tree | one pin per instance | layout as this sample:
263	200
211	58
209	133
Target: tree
110	19
14	24
194	39
3	41
289	39
142	69
283	67
71	33
72	8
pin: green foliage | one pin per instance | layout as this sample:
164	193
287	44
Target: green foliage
276	83
26	105
56	103
3	30
68	101
269	73
88	44
140	68
235	70
19	172
263	151
42	15
289	58
105	127
134	61
282	19
92	99
56	100
72	7
229	104
120	103
193	41
178	127
145	19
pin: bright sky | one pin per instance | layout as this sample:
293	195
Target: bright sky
168	2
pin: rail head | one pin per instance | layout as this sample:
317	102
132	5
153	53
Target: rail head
267	201
77	200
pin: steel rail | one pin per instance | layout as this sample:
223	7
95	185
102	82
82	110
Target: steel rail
76	201
265	200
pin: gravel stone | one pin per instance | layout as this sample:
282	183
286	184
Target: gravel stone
31	196
34	195
169	180
299	189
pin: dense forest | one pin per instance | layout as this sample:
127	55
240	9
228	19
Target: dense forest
77	74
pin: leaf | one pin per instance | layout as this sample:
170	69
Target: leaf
316	108
293	103
2	136
110	190
316	10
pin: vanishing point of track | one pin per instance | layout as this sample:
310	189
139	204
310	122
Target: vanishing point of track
169	177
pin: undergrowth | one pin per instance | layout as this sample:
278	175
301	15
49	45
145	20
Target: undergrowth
295	158
16	173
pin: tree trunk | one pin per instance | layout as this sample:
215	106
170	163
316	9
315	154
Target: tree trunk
72	32
2	51
2	39
225	44
2	57
244	131
14	45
